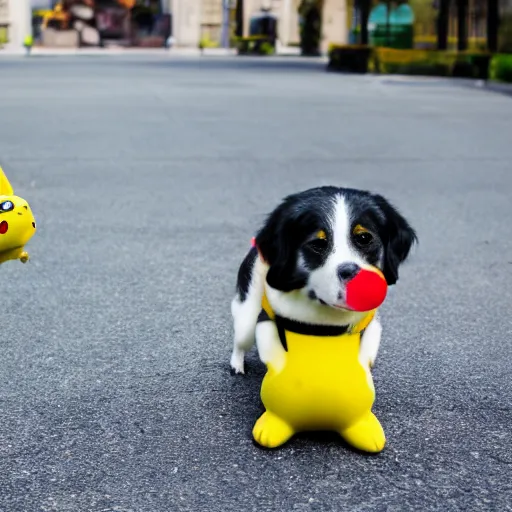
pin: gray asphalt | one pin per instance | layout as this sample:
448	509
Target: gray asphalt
148	177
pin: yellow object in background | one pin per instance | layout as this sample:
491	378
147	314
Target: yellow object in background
17	223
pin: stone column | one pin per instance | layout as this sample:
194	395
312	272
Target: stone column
285	14
289	21
20	22
186	22
166	6
334	23
293	26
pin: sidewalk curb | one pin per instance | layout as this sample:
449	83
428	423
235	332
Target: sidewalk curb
498	87
467	83
486	85
7	51
113	52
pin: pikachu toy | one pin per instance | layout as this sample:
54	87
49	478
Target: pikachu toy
17	223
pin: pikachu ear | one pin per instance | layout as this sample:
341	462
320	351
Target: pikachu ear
5	186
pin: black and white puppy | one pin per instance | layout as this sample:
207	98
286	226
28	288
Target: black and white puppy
304	274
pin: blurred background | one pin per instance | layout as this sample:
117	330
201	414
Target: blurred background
308	25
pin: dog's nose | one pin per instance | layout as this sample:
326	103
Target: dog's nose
346	271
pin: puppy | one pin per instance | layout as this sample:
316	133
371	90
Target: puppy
307	251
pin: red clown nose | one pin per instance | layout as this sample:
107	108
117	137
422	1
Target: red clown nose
366	291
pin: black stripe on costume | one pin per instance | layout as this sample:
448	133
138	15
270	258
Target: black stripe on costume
286	324
282	336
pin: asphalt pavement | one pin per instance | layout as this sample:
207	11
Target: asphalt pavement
148	175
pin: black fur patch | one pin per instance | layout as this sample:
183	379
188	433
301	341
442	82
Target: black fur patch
393	236
398	237
245	273
291	228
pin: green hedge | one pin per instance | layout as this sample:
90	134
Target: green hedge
256	45
3	36
419	69
501	68
206	42
350	58
361	59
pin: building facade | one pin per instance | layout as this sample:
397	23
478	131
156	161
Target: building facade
16	21
194	20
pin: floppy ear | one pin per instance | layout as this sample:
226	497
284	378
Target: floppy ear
398	237
5	186
275	242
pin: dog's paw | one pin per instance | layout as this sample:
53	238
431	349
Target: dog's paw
237	362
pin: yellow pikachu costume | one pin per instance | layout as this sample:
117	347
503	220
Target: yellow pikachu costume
322	386
17	223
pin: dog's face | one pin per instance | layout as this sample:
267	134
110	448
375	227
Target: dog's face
316	241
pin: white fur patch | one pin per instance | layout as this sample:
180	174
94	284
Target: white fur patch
324	281
270	349
296	305
245	315
369	347
370	342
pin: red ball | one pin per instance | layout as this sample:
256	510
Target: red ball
366	291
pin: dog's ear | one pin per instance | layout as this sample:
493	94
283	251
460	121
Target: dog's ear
398	238
277	244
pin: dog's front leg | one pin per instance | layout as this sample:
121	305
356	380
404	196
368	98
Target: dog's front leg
245	315
270	348
245	309
370	342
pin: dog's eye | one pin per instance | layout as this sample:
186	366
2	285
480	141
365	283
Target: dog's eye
362	236
6	206
364	239
318	244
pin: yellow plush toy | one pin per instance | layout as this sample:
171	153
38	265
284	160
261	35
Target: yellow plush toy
316	382
17	223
